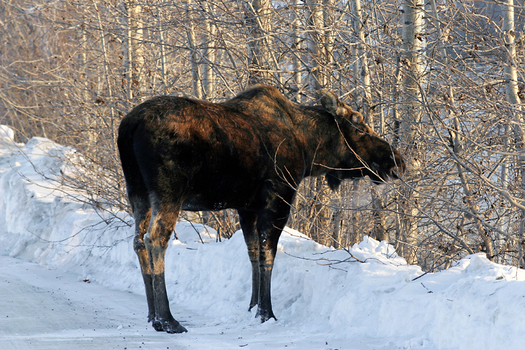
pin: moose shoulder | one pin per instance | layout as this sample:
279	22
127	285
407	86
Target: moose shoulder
249	153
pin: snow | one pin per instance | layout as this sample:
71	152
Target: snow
67	279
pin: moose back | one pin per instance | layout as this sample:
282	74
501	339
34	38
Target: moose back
249	153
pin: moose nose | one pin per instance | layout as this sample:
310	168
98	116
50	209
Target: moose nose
396	172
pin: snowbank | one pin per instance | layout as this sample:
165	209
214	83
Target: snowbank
316	290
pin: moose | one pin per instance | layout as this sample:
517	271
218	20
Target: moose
249	153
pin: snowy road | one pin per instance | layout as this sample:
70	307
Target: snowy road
43	308
46	309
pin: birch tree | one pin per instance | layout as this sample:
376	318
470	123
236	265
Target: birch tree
361	69
316	53
209	54
512	93
194	52
133	48
258	22
411	61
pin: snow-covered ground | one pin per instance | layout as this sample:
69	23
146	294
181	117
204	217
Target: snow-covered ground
67	280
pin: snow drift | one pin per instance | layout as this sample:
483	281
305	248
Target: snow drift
365	292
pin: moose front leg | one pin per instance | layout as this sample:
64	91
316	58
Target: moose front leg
264	310
270	223
248	220
268	248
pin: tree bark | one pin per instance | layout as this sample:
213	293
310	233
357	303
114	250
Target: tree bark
163	64
411	60
133	50
209	51
258	20
511	89
314	22
194	53
297	59
361	70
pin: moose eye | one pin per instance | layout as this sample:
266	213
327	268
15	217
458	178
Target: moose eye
357	118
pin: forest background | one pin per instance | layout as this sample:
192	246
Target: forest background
442	80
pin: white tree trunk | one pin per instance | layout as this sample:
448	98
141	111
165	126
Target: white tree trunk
328	41
111	122
194	53
511	89
133	61
316	53
412	80
258	19
297	59
162	44
209	52
361	62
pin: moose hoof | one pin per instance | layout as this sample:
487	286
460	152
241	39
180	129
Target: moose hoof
264	319
178	328
265	316
157	325
169	326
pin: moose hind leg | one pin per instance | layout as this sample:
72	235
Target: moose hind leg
248	220
156	240
142	214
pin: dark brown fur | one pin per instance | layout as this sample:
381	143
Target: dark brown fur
249	153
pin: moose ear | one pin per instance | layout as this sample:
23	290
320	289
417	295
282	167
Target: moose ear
332	104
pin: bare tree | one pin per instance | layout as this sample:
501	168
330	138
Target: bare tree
209	55
412	63
259	21
194	52
512	93
448	91
133	57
